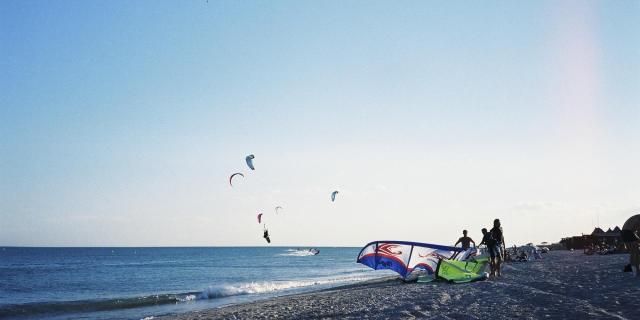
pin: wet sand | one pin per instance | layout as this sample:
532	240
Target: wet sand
564	285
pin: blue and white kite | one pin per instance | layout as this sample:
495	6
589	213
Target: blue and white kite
249	160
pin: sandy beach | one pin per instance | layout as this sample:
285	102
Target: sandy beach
565	285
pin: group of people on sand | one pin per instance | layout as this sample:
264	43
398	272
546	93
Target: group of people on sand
600	248
515	255
494	240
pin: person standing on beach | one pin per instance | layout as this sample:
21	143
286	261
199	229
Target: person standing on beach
632	243
466	241
498	237
634	255
488	241
631	238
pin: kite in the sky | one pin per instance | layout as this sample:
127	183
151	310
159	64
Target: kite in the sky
249	160
265	235
333	196
233	175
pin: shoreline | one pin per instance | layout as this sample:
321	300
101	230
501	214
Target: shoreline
563	285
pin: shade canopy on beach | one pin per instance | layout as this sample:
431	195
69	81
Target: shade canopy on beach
632	223
631	229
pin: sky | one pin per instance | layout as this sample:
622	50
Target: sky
121	122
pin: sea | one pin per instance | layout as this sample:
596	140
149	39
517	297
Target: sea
143	283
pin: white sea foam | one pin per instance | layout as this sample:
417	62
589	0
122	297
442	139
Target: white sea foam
189	297
297	253
214	292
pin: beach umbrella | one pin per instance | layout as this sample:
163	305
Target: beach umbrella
632	223
631	229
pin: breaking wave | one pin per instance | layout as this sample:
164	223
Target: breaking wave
212	292
79	306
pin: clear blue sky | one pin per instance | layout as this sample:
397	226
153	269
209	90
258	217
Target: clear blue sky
121	121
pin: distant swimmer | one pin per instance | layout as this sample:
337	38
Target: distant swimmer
465	241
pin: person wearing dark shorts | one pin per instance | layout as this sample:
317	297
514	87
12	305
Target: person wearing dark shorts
632	243
498	237
490	243
465	241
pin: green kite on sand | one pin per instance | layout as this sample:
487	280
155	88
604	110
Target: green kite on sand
462	271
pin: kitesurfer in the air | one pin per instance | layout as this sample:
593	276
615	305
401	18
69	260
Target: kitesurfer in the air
498	237
465	241
266	235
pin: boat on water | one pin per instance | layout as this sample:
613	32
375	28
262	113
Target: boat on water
307	252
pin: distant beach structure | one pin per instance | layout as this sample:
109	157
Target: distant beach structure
598	237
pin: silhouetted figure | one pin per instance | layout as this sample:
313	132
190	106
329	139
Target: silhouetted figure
466	241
